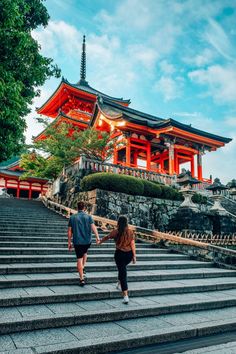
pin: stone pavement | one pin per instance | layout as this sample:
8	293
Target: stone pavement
43	310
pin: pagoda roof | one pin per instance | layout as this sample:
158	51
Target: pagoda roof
18	174
77	88
115	111
14	161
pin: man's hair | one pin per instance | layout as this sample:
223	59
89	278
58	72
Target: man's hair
80	205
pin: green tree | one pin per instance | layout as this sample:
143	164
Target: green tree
22	69
62	146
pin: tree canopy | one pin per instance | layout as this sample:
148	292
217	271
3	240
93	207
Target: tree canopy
22	69
62	146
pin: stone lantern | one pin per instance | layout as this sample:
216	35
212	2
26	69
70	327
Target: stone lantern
186	181
217	188
232	189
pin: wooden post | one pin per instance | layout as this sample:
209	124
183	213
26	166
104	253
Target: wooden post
199	166
149	156
136	158
171	158
115	156
18	190
128	151
192	166
30	190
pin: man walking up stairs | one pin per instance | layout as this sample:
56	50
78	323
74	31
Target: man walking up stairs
174	299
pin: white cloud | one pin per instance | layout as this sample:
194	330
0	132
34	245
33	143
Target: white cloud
221	82
205	57
166	67
170	88
218	38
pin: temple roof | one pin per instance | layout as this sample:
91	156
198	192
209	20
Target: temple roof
18	174
115	111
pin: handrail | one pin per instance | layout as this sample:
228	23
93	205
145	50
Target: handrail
207	251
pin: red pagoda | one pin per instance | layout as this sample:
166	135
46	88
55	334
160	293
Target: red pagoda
145	142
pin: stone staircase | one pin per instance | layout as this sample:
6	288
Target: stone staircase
43	310
229	205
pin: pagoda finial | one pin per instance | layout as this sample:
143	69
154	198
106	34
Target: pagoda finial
82	80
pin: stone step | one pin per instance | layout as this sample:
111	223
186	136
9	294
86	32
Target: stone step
113	336
93	258
31	318
70	293
12	228
21	268
56	244
48	279
53	251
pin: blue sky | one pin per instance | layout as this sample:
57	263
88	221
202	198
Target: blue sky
171	58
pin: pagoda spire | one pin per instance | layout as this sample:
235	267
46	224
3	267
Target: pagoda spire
82	80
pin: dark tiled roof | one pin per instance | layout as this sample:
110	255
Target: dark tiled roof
10	163
116	111
18	174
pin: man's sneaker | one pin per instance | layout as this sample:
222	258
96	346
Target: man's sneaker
118	287
126	300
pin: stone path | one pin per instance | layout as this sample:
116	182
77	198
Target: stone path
43	310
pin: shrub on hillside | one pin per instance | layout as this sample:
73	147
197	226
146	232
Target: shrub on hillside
151	189
198	198
113	182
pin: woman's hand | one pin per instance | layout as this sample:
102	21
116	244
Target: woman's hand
134	259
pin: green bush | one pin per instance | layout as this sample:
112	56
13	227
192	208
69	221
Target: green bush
112	182
134	186
198	198
151	189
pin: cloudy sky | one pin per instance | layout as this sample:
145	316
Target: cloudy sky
172	58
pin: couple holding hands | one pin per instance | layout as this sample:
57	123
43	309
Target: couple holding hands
80	228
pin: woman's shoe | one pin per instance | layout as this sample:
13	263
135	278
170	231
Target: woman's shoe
126	300
82	282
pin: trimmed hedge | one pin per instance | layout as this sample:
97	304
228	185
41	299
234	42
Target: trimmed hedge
113	182
134	186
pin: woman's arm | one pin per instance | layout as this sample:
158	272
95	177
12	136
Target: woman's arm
133	248
105	238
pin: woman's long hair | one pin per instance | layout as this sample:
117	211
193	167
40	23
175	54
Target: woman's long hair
122	226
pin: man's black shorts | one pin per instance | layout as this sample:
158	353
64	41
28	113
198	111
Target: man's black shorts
80	250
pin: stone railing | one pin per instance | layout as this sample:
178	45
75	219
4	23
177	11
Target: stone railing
99	166
194	248
218	240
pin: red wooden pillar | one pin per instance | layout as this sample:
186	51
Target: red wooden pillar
177	164
115	156
199	166
18	190
136	158
149	156
128	151
6	183
41	189
171	158
30	190
192	166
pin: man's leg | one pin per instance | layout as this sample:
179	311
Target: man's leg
85	256
80	268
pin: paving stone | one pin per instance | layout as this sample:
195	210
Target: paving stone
226	348
34	310
95	305
218	314
97	330
6	343
9	313
38	290
42	337
147	323
180	319
62	308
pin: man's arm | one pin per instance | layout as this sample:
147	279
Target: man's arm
95	231
69	238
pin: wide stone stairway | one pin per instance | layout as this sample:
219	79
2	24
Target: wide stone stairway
44	310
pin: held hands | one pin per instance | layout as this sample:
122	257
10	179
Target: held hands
70	246
98	241
134	260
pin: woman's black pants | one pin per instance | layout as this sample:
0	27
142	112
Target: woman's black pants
122	259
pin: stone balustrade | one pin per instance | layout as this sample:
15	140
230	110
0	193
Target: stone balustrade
203	250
